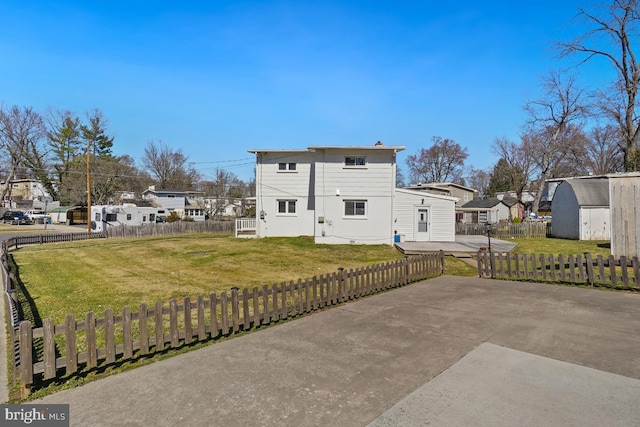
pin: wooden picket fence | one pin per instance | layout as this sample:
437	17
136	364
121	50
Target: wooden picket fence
621	273
506	230
54	351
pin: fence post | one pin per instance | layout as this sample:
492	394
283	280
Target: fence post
26	357
441	258
589	262
406	270
479	261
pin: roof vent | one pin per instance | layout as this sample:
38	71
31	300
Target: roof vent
378	144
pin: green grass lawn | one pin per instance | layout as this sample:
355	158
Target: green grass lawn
85	276
561	246
94	275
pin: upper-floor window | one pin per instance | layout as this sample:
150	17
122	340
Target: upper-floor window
284	167
355	161
171	196
355	207
465	197
286	206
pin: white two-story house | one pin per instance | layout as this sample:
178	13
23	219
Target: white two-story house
336	194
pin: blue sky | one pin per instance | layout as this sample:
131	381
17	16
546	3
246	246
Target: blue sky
216	78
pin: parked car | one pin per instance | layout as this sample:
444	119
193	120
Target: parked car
15	217
38	217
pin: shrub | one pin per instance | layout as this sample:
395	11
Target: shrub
173	217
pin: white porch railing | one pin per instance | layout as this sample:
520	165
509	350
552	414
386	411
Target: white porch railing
245	225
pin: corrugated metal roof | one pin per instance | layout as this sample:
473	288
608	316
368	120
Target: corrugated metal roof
590	192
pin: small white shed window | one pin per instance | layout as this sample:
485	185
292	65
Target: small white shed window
357	208
287	207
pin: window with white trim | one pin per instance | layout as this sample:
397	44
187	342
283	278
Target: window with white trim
287	207
355	208
355	161
287	167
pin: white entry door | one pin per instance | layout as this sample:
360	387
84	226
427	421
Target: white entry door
422	224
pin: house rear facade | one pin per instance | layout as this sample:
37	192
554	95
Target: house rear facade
337	194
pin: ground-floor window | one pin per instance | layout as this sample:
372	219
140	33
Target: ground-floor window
355	207
286	206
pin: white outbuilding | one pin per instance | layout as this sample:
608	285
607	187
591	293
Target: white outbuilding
420	216
580	209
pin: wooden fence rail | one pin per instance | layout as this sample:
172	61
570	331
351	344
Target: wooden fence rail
81	344
581	268
507	230
171	228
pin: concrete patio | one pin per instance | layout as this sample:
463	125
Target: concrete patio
464	245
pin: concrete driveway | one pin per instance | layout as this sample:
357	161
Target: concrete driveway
450	351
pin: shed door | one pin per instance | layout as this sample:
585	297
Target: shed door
422	224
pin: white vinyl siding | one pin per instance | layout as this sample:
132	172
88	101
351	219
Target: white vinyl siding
335	183
441	214
283	196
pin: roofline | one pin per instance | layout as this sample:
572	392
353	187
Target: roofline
357	147
440	184
607	175
423	193
395	148
255	151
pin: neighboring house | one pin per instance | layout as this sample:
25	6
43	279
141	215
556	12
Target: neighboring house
460	192
483	211
224	207
580	208
516	208
341	195
175	200
526	196
28	189
192	210
106	216
624	198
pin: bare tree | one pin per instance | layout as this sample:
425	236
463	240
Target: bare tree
479	179
225	187
21	129
550	135
612	36
442	162
169	167
603	153
517	162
